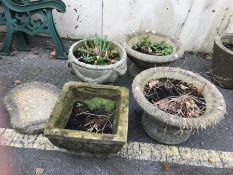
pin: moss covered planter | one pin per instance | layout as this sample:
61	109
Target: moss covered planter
98	144
142	61
222	62
97	73
172	129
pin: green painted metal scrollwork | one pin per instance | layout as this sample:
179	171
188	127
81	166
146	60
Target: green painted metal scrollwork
24	22
2	16
23	2
31	18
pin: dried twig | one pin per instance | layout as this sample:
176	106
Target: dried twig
91	114
97	122
184	105
175	97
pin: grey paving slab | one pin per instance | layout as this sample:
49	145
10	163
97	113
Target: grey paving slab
30	105
25	161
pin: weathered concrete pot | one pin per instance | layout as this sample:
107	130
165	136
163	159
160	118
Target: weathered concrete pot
88	143
143	61
97	73
170	129
222	62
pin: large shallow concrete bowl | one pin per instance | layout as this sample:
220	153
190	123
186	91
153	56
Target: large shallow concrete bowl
143	61
97	73
88	143
172	129
222	62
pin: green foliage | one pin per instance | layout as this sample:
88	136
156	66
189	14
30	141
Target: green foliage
163	48
195	53
97	51
101	104
79	104
230	41
148	47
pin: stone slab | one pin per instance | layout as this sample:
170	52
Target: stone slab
30	105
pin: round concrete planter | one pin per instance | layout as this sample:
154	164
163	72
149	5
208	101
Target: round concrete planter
222	62
170	129
97	73
143	61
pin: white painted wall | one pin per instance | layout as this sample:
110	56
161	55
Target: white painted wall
163	16
194	22
82	18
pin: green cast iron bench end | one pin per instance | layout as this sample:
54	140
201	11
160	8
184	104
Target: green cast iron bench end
18	17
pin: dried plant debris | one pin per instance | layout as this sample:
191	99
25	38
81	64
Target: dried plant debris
175	97
94	115
35	51
17	82
53	54
166	166
39	171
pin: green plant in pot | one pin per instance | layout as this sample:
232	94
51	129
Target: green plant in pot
147	46
149	49
90	119
97	60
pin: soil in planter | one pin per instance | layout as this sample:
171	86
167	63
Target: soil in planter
146	46
95	115
228	45
175	97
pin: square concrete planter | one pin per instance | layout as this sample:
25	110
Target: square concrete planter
97	144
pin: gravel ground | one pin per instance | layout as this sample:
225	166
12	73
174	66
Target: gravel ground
26	67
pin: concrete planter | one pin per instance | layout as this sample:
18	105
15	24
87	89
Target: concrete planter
222	62
97	73
143	61
88	143
170	129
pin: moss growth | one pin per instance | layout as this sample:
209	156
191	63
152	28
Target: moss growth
101	103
